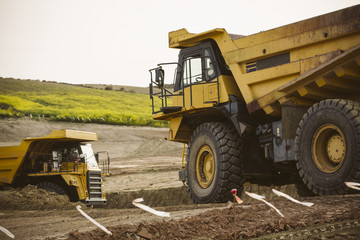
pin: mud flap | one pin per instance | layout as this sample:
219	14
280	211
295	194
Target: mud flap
182	175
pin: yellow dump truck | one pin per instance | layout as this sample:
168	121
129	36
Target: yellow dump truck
279	103
62	162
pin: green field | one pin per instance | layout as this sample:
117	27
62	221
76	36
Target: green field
65	102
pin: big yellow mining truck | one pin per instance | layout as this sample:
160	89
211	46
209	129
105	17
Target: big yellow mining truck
61	162
275	103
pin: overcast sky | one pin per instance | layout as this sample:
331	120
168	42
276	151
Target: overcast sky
117	41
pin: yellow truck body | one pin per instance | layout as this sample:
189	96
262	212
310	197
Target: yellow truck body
61	158
269	82
312	47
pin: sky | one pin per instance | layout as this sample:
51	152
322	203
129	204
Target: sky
117	41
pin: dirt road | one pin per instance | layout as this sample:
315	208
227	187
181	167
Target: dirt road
145	165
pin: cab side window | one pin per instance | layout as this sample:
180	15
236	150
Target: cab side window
209	66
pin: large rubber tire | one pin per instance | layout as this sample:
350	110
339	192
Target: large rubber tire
214	163
327	146
51	187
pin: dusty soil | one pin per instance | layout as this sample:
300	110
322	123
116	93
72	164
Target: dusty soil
245	222
144	165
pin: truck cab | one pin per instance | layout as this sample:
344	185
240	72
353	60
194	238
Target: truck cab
200	70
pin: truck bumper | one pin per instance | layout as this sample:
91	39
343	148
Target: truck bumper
95	201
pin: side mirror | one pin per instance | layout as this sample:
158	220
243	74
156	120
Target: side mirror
159	77
97	157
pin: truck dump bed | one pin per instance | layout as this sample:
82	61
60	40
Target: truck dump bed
303	62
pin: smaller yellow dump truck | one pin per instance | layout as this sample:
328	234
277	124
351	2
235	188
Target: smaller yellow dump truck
61	162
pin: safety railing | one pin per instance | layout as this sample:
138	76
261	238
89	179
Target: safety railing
104	163
164	94
45	163
158	83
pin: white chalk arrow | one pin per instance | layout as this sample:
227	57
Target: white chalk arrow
137	203
281	194
7	232
262	198
353	185
78	207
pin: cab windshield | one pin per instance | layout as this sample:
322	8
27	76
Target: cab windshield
89	155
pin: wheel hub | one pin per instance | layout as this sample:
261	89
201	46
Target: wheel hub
205	166
328	148
336	148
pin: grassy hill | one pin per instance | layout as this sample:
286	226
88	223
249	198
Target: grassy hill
64	102
131	89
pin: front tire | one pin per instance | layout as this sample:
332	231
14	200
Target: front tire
214	163
327	146
51	187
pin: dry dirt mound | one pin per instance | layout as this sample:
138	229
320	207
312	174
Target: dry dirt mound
32	198
153	198
180	196
245	222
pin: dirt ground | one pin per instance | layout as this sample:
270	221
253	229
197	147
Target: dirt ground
144	165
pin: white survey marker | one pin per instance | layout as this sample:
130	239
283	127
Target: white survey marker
353	185
136	202
261	198
78	207
7	232
281	194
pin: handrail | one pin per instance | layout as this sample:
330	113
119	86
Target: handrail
163	94
105	170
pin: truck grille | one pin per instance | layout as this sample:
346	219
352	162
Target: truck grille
268	62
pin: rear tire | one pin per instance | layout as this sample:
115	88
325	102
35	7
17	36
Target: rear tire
214	163
51	187
327	146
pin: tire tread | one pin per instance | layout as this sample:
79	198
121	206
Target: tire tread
231	151
351	110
